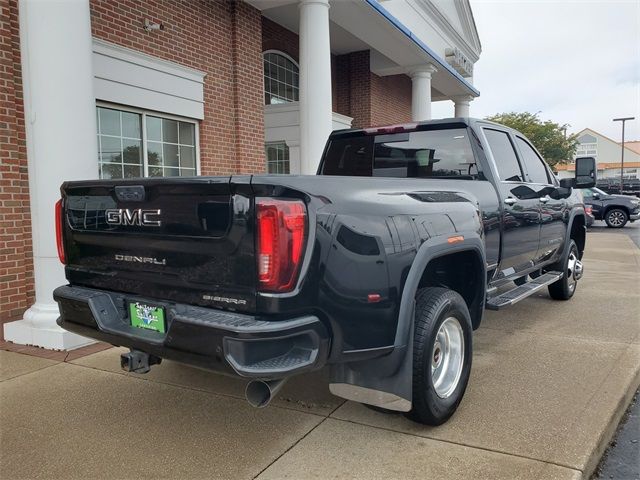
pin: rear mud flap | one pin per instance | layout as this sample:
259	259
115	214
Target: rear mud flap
384	382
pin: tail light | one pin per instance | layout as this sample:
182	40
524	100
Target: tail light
588	210
282	228
59	227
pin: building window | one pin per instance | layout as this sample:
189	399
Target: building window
281	80
587	146
587	149
139	144
277	154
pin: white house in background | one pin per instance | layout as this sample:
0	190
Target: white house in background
607	153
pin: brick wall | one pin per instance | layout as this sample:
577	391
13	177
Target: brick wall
16	266
390	99
367	97
207	36
276	37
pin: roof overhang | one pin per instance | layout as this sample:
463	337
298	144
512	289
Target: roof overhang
367	25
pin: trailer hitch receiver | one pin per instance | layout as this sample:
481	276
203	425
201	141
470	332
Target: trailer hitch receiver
138	362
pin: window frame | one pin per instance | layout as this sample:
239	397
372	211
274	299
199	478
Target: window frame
291	59
143	133
515	152
277	143
550	175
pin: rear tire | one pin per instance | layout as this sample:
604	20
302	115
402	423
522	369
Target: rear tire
616	218
441	355
564	288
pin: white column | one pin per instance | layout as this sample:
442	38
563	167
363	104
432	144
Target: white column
315	82
60	119
421	92
294	157
461	105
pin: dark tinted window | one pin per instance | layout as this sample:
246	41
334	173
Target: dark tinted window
425	154
535	167
349	156
504	155
587	193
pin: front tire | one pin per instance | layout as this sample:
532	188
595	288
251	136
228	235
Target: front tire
616	218
564	288
441	355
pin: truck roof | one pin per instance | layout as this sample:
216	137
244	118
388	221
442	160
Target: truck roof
460	122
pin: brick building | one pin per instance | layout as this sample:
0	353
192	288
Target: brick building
128	88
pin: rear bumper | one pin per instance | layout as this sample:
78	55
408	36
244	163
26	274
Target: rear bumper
634	216
217	340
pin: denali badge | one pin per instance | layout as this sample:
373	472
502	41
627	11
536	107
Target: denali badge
135	259
139	217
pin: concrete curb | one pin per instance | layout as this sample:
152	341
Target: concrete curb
608	433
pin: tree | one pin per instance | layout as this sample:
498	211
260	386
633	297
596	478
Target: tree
548	137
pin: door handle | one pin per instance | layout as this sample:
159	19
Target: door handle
510	200
545	199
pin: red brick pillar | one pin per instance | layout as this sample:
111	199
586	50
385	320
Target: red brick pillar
248	88
16	265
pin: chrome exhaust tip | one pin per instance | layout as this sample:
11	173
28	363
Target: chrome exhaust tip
260	392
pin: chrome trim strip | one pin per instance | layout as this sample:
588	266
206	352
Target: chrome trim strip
370	396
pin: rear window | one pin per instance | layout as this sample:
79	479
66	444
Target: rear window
425	154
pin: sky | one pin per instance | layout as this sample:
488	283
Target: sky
575	62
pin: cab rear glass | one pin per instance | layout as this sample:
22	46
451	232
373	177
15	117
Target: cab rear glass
421	154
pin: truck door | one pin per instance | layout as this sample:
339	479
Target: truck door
552	208
520	206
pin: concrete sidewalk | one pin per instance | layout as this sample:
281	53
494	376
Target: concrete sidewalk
549	383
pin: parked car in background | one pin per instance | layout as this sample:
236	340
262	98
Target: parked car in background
615	210
611	186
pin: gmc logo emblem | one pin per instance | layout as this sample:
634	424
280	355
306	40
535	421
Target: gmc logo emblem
137	217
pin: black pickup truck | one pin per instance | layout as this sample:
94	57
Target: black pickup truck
615	210
378	267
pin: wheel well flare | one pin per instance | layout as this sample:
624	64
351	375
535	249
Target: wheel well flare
461	272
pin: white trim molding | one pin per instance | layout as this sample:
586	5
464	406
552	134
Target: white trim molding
128	77
282	124
469	43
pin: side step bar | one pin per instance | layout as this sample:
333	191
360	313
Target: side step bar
523	291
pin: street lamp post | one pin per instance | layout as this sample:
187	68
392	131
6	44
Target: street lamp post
623	120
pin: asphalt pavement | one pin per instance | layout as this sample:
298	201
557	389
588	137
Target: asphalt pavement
622	458
632	230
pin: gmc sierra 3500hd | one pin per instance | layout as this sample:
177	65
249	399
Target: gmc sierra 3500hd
378	267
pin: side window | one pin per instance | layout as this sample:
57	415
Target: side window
535	165
587	193
504	155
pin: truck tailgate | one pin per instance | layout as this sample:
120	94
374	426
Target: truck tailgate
186	240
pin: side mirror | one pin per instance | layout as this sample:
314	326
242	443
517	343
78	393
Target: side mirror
595	196
585	172
567	182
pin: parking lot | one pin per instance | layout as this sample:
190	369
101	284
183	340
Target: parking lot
549	383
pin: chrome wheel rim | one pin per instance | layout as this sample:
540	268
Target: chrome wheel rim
574	270
447	357
616	218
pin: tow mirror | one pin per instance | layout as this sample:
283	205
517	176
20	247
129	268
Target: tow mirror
567	182
585	172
